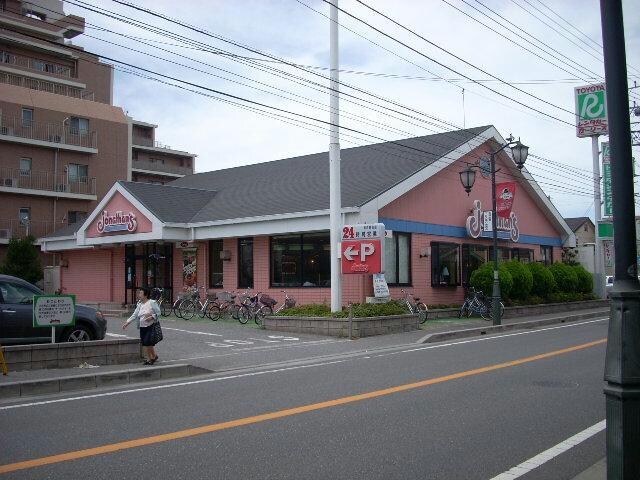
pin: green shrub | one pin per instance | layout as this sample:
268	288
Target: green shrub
309	310
23	260
585	279
563	297
359	310
522	279
565	276
482	279
544	283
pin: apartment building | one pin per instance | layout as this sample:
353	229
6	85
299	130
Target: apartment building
63	144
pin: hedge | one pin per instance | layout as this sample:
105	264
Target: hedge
565	276
544	283
522	279
482	279
585	279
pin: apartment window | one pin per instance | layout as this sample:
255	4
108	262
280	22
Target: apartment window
445	264
397	255
27	117
25	167
302	260
522	254
245	263
473	257
76	217
215	264
79	125
24	215
77	173
546	254
134	155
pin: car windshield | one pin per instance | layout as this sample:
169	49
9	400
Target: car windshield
14	293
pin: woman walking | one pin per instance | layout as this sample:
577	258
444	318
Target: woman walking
145	314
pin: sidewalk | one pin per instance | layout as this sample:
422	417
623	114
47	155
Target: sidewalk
597	471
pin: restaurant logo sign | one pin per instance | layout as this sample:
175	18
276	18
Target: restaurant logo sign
480	224
117	222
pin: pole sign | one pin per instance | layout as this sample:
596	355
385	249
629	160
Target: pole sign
606	179
54	310
591	110
362	248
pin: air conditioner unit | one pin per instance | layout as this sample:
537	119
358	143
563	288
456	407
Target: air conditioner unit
62	187
5	234
9	182
55	138
4	130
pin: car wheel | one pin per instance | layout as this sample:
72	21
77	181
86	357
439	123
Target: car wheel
78	334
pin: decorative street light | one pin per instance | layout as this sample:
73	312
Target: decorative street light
519	152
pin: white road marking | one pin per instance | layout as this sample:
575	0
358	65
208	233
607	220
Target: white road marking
238	351
195	382
172	385
284	338
117	335
191	331
542	458
263	340
493	337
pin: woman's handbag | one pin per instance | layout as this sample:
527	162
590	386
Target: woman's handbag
156	332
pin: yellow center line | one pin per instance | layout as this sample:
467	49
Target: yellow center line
140	442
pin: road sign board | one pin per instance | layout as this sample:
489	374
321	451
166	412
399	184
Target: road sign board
362	256
591	110
54	310
605	230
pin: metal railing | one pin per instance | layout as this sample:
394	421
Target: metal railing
148	142
45	86
47	132
36	64
14	228
46	181
161	167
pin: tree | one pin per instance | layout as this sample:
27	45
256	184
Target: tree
23	260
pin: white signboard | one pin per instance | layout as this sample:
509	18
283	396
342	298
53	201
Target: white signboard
380	287
609	255
363	231
54	310
591	110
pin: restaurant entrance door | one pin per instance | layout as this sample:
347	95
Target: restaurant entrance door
148	265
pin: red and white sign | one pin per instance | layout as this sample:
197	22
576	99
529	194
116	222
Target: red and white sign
505	193
117	222
362	256
363	231
118	217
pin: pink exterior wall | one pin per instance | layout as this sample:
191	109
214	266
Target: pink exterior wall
94	275
119	204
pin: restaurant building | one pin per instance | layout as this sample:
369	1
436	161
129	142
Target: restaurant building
265	227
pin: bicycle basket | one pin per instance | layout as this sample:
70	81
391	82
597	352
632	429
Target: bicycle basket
267	300
225	296
289	303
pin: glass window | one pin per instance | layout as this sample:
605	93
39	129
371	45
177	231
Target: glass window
77	172
14	293
473	257
215	264
76	217
444	264
79	125
245	263
504	254
522	254
397	259
24	215
546	254
27	117
25	166
302	260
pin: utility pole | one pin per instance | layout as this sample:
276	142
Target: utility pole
335	200
622	363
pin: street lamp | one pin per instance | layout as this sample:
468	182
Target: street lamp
519	152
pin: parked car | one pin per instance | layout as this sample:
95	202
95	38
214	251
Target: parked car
608	286
16	317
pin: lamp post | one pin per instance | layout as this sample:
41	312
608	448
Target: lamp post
519	152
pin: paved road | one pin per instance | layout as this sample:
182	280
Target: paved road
471	409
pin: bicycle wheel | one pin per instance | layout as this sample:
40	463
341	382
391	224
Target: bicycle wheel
485	310
245	314
188	309
422	310
164	311
463	310
264	311
175	308
234	311
213	312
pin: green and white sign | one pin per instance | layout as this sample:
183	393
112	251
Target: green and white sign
606	179
54	310
591	110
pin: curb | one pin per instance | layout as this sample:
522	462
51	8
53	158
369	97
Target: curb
87	382
474	332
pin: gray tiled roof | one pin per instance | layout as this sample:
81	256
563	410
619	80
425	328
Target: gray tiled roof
302	183
66	231
576	222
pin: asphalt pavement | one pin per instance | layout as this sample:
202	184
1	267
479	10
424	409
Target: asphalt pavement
468	409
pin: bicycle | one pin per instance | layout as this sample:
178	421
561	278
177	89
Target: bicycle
265	308
158	295
223	304
478	303
190	306
288	303
414	306
249	307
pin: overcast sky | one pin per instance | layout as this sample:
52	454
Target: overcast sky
224	135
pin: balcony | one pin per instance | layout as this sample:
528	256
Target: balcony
46	86
47	184
151	145
158	168
36	65
51	135
13	228
67	26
